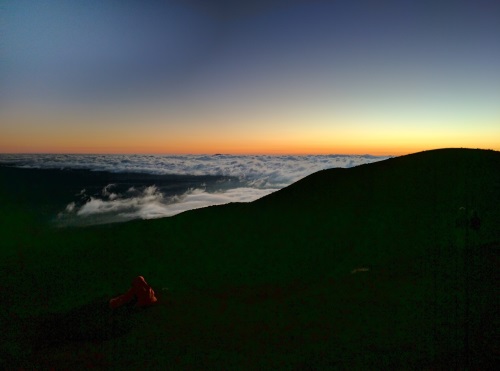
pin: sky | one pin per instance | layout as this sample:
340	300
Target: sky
249	76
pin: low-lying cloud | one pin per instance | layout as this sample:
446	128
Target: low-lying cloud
242	179
256	171
150	204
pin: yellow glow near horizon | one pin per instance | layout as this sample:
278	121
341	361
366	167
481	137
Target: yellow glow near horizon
396	145
199	134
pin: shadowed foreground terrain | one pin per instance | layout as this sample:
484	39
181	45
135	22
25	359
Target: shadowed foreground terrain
373	267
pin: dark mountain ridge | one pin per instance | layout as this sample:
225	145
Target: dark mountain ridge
369	267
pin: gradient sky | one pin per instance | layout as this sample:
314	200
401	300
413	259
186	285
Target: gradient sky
249	76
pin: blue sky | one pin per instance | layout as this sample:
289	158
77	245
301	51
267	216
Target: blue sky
256	75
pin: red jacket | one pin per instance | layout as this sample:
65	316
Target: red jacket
139	290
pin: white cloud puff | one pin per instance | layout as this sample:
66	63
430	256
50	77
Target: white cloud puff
152	204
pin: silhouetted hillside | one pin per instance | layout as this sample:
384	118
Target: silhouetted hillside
373	267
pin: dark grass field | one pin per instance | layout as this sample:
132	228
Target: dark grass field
361	268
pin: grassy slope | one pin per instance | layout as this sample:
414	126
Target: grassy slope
269	284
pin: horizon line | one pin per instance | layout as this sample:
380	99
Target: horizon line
196	154
231	154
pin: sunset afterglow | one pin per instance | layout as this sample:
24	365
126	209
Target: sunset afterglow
276	77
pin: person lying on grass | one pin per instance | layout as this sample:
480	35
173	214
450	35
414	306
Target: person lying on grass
139	295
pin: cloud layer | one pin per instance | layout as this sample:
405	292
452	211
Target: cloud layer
256	171
253	177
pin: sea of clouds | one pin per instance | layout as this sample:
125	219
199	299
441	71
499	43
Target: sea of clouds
241	179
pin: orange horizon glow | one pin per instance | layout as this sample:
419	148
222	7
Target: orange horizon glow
253	145
93	135
353	151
